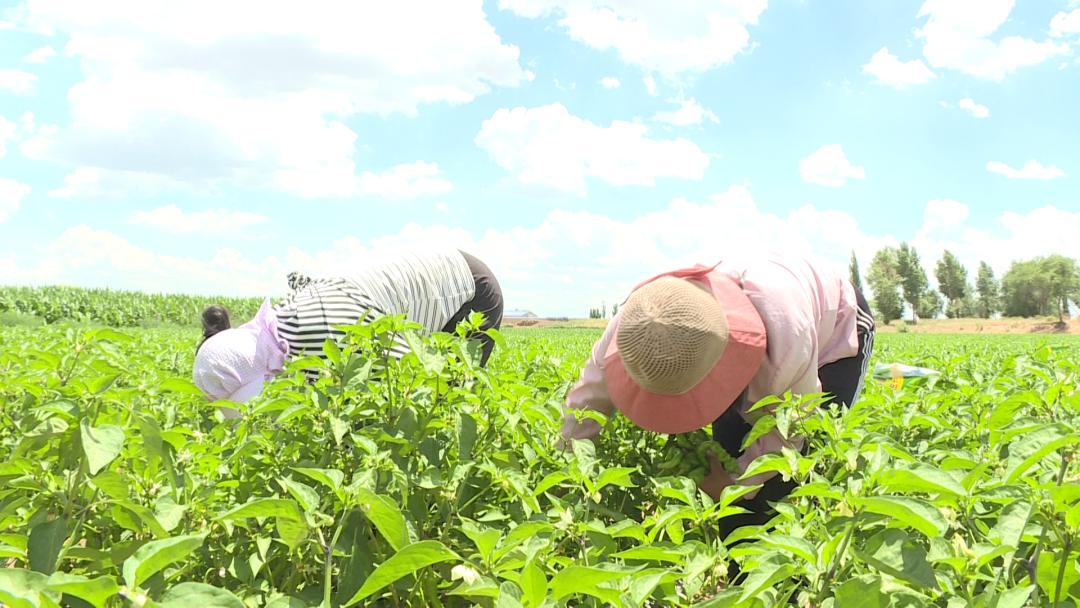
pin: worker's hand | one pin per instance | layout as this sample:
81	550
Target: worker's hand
717	479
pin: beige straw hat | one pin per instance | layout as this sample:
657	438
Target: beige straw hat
687	344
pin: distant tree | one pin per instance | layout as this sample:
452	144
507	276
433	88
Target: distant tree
986	285
1064	276
929	304
884	281
912	277
952	282
966	306
853	270
614	310
1026	289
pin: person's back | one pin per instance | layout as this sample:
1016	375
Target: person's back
426	285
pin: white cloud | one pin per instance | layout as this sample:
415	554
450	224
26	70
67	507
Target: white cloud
549	146
9	132
609	82
12	194
889	70
829	166
571	260
944	213
256	93
17	81
171	218
975	109
442	207
1064	23
958	34
690	36
1032	169
40	55
94	183
1017	236
650	85
404	181
413	180
689	113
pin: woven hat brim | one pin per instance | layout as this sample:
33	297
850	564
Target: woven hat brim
715	393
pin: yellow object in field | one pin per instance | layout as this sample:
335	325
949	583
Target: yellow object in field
895	373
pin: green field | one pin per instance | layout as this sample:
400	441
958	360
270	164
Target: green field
430	482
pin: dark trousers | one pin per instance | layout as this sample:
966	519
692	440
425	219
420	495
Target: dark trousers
487	300
842	379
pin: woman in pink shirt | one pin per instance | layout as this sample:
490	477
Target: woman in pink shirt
698	346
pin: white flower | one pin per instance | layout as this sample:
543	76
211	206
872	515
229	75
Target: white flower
464	573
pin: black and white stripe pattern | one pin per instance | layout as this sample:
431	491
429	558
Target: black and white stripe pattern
427	287
864	325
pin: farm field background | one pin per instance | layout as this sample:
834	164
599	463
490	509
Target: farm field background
431	482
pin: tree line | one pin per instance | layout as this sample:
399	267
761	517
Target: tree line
1038	287
601	312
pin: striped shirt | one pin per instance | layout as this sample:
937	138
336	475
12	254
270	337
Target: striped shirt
428	287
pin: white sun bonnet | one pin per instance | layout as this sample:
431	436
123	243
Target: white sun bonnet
234	364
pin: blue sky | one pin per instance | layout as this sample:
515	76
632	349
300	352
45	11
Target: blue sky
575	145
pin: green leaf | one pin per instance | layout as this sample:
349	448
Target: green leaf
45	543
534	585
775	568
95	591
583	579
180	386
1010	525
509	596
339	428
199	595
911	512
1047	574
923	478
150	558
168	513
644	583
264	507
654	553
405	562
286	602
304	494
333	353
1014	598
387	517
896	554
101	445
798	546
1004	413
861	592
291	531
25	589
484	538
762	426
618	476
1036	445
112	484
331	478
766	464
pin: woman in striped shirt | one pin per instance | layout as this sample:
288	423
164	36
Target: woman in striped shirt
434	288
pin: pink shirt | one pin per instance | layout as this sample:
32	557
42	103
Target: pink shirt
809	315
